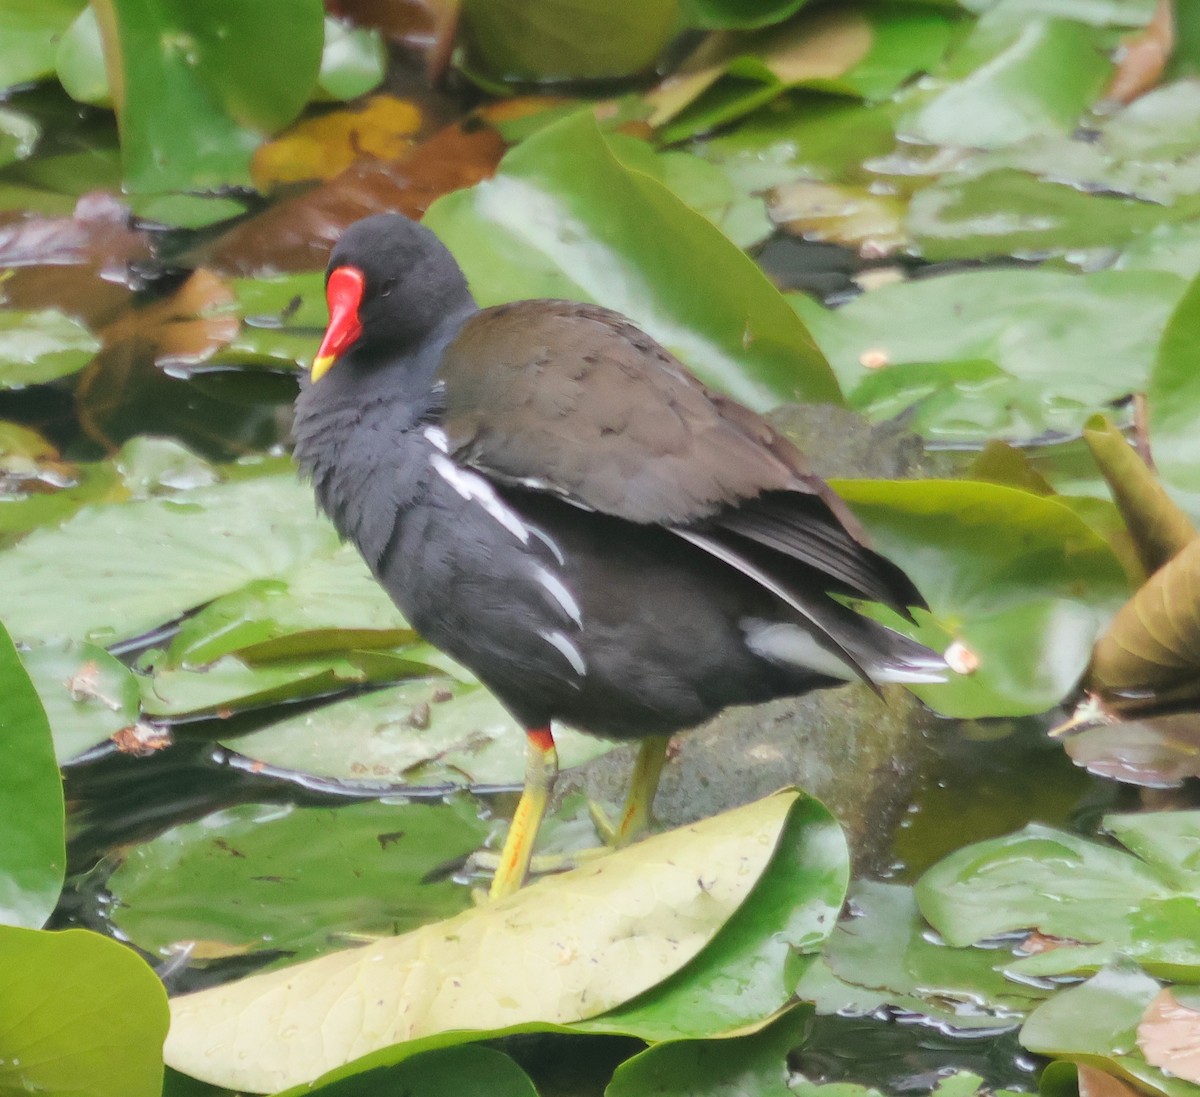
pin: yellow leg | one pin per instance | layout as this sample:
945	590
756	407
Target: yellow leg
643	784
541	771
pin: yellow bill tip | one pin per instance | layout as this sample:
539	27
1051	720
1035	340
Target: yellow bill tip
321	366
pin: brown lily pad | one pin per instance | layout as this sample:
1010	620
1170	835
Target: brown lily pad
1169	1036
297	233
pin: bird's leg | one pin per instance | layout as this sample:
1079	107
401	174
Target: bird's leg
643	784
541	771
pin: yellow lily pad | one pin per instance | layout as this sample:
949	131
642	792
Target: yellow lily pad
562	950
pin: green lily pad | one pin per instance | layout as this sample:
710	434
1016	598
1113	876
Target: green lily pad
36	347
429	731
326	605
1075	343
80	1016
755	1064
115	571
353	60
229	685
620	925
87	694
463	1071
1173	395
802	136
1010	80
79	61
298	880
564	218
1018	579
199	90
882	956
1103	901
866	51
33	857
1096	1024
30	39
568	40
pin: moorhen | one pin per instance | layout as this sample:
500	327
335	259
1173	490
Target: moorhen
551	497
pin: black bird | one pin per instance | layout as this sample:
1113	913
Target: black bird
553	499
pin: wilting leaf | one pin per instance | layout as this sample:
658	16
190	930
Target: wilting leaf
1147	658
1143	56
854	217
32	856
300	880
543	227
613	935
1157	525
1169	1034
381	128
1158	751
297	233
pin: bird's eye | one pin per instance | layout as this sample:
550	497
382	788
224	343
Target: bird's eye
387	287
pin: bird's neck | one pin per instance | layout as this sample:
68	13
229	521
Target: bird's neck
357	431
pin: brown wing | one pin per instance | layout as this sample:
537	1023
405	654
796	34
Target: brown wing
623	428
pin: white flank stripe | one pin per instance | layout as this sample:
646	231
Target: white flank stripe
565	648
562	597
474	488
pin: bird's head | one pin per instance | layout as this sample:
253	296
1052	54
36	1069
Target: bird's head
389	283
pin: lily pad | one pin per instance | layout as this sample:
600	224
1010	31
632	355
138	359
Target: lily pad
855	49
88	695
755	1064
882	956
30	39
326	605
611	938
197	91
1096	1024
1016	78
33	857
80	1016
547	225
1074	342
1173	395
429	731
467	1070
36	347
278	877
1018	579
1101	901
114	571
